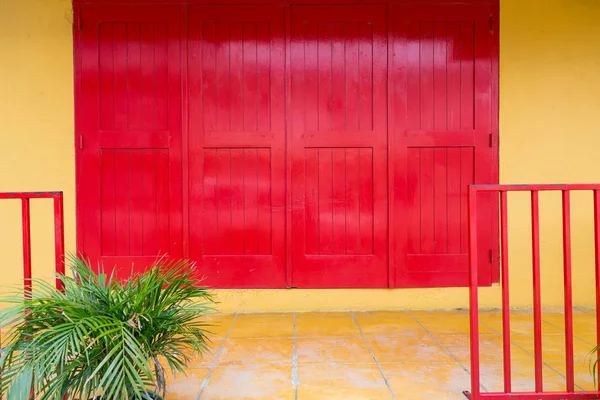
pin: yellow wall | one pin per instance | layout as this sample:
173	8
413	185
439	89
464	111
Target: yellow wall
549	124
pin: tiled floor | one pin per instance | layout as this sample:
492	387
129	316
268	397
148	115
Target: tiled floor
378	355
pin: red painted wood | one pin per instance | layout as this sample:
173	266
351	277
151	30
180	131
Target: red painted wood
237	145
338	134
442	59
130	202
284	187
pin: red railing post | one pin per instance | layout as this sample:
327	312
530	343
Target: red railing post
505	291
473	296
59	238
538	394
568	289
537	292
26	226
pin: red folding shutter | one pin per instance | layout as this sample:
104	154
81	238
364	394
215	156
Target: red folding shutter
237	145
338	131
129	176
441	115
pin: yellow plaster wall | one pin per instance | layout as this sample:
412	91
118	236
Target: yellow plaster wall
549	124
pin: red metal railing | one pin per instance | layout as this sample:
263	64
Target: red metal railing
59	232
502	190
59	237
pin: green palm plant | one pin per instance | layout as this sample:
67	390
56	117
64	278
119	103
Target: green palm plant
101	337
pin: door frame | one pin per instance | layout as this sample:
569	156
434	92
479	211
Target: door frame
79	99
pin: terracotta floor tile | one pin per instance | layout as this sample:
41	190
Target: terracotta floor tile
333	350
438	314
342	382
244	316
400	326
582	323
519	325
257	327
208	358
407	349
427	381
219	325
274	351
250	382
451	325
553	347
334	314
583	373
322	326
382	314
523	377
491	349
181	387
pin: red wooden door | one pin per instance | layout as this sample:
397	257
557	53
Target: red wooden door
129	144
441	116
338	139
237	144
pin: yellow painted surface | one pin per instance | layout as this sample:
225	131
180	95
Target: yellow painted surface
337	355
549	133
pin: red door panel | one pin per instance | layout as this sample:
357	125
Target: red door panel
129	177
237	145
441	111
338	131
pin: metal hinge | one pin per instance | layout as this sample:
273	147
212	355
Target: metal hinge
80	142
491	24
78	23
491	141
491	256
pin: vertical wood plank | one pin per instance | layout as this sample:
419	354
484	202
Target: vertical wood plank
265	238
426	72
235	78
339	201
466	178
352	202
454	200
325	201
163	202
338	76
325	93
210	204
453	54
147	84
250	76
148	195
238	196
414	204
365	61
310	91
250	170
106	73
161	71
311	165
108	234
223	71
134	77
120	76
440	46
224	201
440	171
352	76
265	44
427	202
367	181
122	199
137	206
209	76
467	75
413	75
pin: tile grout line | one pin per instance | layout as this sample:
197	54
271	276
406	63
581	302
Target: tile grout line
435	339
295	380
206	380
387	383
531	355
